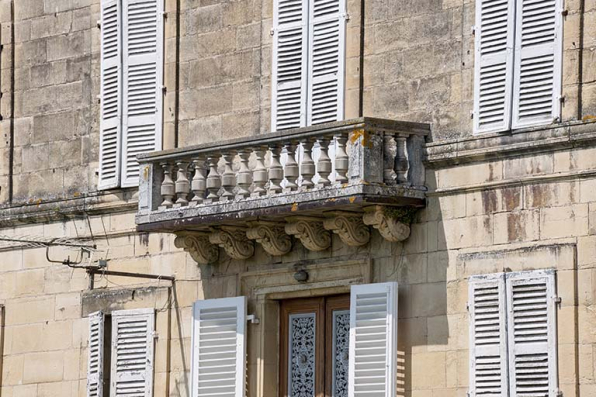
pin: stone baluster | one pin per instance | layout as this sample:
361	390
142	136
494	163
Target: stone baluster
182	183
307	168
388	158
341	160
244	175
401	159
259	173
213	180
276	171
167	186
199	182
324	165
291	170
228	177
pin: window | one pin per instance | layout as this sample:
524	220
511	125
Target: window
131	87
120	357
321	339
518	64
513	334
308	62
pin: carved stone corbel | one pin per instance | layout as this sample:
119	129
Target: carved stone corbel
198	246
234	241
271	236
349	227
390	228
310	231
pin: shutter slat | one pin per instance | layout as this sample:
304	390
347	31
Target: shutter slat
143	76
373	343
537	62
289	74
110	94
532	333
96	354
494	65
132	353
488	336
219	347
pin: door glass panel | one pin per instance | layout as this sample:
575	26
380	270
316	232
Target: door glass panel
301	355
341	347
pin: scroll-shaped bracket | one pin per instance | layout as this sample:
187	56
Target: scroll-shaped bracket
234	241
349	227
271	236
310	231
390	228
198	246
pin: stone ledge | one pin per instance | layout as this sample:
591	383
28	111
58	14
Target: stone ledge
521	142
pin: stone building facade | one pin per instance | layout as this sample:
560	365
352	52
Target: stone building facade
499	202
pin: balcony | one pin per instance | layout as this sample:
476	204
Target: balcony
347	177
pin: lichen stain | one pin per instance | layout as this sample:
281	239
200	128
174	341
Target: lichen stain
540	195
589	117
511	198
294	207
514	227
355	135
76	194
489	201
146	173
352	199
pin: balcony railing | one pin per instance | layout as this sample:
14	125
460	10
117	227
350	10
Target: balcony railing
309	174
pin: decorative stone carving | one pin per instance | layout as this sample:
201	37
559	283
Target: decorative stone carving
390	228
271	236
349	227
310	231
234	241
198	246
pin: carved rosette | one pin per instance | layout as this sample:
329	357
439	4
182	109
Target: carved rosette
234	241
391	229
310	231
271	236
349	227
198	246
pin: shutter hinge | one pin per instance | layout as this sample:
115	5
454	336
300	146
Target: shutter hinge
471	114
564	12
468	306
252	319
557	300
98	23
272	31
164	89
98	98
561	98
473	30
165	15
559	393
155	335
345	16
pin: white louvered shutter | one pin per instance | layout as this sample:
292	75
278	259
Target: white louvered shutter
488	336
373	340
532	334
111	92
538	51
326	61
493	80
95	355
143	76
219	348
132	353
289	64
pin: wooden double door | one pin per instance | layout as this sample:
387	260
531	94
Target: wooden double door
315	335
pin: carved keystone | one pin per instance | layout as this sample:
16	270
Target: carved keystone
391	229
349	227
234	241
310	231
271	236
198	246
